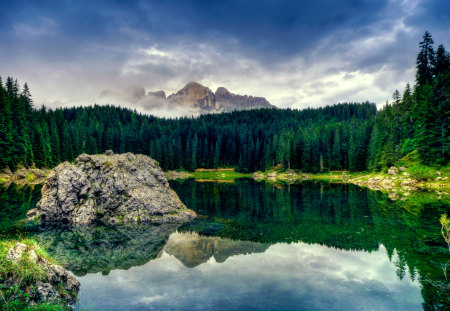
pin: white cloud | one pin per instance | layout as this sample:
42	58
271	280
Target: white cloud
314	277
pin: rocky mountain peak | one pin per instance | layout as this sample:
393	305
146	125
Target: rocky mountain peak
195	95
203	100
158	94
222	91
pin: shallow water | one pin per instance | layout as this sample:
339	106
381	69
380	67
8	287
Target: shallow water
256	246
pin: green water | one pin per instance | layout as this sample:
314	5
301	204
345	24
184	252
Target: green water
255	246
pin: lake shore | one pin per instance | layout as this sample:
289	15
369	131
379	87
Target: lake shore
24	176
401	182
398	184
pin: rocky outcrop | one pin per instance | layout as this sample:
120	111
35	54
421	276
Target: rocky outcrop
393	171
194	95
258	176
229	101
109	188
56	284
158	94
203	100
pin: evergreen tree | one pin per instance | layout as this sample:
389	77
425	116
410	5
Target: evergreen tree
425	60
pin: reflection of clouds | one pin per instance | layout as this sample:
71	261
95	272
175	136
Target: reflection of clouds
285	277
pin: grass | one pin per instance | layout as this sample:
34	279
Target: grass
219	175
25	273
25	270
30	176
423	172
48	306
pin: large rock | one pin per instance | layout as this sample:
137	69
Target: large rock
57	284
109	189
393	171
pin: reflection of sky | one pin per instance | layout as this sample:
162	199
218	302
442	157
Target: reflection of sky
285	277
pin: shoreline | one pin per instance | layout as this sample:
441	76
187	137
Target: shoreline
24	176
398	181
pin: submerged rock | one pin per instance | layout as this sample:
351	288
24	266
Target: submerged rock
258	176
56	285
109	188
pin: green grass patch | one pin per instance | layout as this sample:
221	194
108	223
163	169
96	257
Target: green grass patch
220	175
25	274
48	306
27	271
422	172
30	176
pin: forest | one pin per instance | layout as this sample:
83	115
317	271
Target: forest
345	136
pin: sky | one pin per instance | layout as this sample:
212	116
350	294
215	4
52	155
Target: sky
296	54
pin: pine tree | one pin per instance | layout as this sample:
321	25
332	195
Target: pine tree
442	61
425	60
216	154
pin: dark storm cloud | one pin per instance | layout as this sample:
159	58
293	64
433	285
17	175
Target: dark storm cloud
275	28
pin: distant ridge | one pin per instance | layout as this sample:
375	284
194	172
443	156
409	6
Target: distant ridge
203	100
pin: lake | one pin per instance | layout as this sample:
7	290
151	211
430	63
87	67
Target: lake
258	246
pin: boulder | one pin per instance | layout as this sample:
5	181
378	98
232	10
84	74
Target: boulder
258	176
57	284
109	188
393	196
393	171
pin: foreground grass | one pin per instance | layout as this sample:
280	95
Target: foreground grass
25	273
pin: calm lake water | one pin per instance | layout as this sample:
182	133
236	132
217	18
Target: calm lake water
256	246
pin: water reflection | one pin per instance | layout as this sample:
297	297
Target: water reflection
314	246
193	249
294	276
85	250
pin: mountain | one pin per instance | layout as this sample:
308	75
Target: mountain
202	99
192	99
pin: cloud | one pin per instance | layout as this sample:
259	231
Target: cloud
293	53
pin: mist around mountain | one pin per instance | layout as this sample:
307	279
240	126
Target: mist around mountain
192	100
